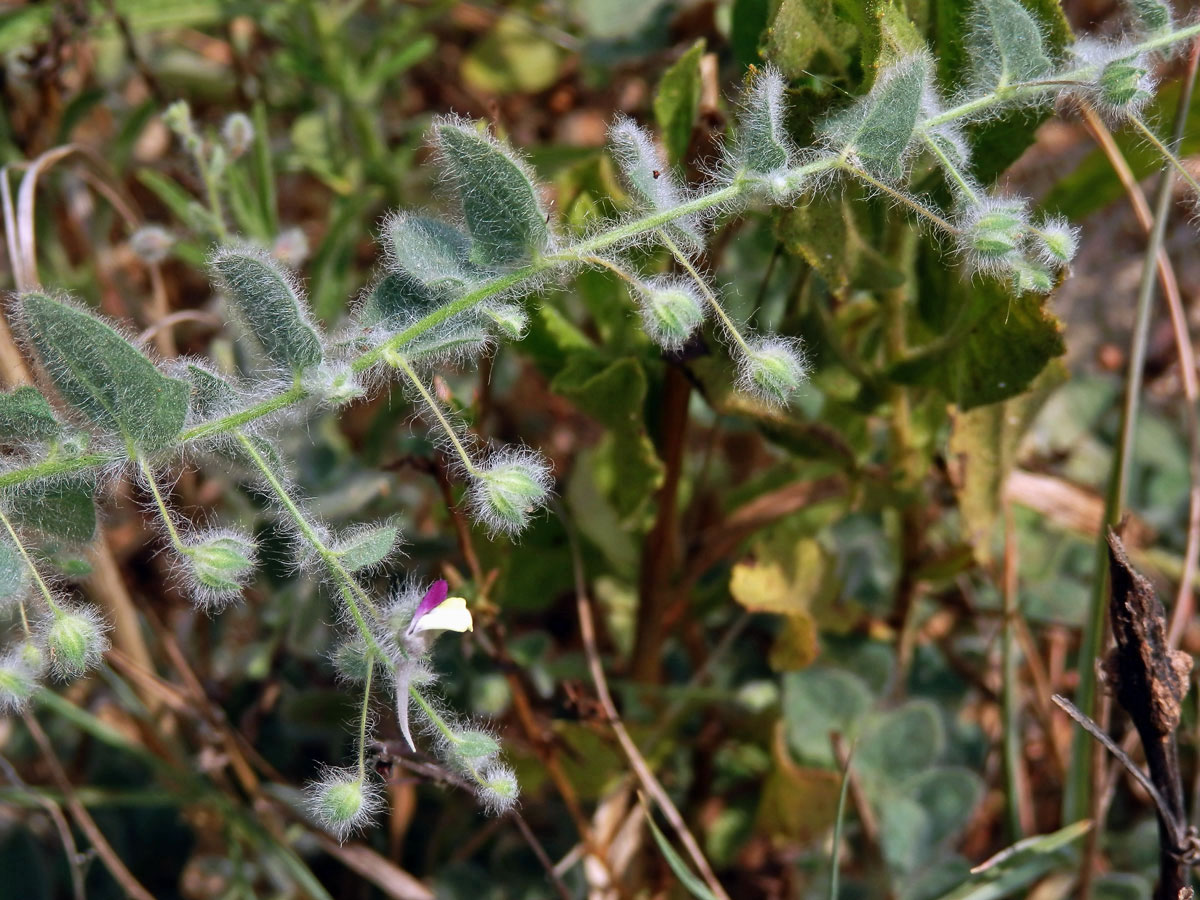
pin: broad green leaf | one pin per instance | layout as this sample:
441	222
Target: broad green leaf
748	22
614	394
677	102
211	395
395	300
60	508
984	346
269	305
818	702
102	375
1015	868
904	831
1006	44
694	884
367	547
808	35
25	415
499	197
900	743
948	795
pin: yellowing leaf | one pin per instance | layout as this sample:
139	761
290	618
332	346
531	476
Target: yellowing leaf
799	803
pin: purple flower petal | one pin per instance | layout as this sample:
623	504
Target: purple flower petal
434	597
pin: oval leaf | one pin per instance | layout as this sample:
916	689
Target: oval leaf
102	375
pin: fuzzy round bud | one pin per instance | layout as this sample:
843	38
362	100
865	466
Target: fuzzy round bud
342	802
508	489
152	243
220	566
497	789
76	641
1056	242
996	233
238	133
774	368
291	247
32	657
1125	84
671	310
18	682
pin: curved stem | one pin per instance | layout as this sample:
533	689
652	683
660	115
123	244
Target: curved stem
163	512
363	719
397	361
681	258
37	576
900	197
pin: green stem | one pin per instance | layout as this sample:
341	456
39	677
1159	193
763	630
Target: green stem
349	587
949	167
163	512
1166	153
900	197
37	576
362	721
399	362
681	258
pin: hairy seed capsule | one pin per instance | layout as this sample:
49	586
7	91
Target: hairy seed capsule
506	492
75	641
671	311
222	564
997	234
1122	84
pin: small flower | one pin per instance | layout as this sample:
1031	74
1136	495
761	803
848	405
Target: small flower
342	801
671	310
773	367
237	133
18	681
507	489
151	243
76	641
437	612
291	247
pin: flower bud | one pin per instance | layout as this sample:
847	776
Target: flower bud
342	802
996	232
1056	242
291	247
1125	84
238	133
773	368
671	310
18	682
508	489
151	243
220	564
76	641
498	789
178	117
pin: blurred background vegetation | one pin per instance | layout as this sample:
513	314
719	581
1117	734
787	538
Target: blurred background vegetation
761	579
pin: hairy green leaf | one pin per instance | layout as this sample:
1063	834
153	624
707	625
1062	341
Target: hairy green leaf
677	102
367	548
431	252
25	415
499	197
63	508
762	143
809	35
1006	44
270	307
102	375
211	395
13	571
879	130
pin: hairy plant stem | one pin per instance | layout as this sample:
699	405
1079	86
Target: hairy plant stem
348	586
163	512
399	362
364	720
55	610
680	257
578	253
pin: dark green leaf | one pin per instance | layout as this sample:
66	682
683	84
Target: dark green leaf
102	375
25	415
60	508
677	102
